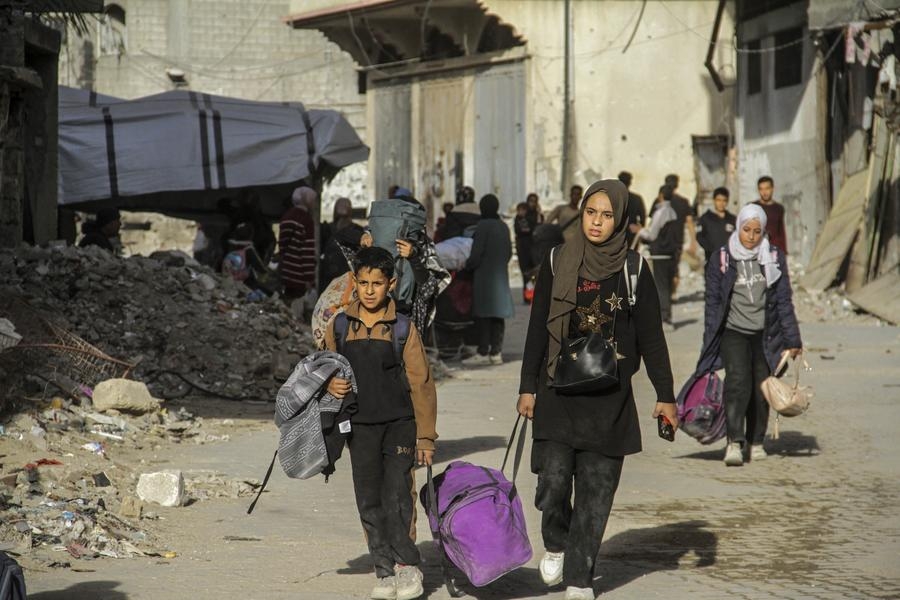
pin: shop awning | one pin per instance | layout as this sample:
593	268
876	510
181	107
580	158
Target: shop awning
379	32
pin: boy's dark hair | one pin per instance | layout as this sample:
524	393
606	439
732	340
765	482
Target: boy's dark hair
672	180
373	258
764	179
625	177
666	191
522	206
721	191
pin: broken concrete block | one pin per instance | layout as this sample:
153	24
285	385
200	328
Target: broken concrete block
125	395
131	507
164	487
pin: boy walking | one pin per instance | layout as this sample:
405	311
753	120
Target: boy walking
395	424
716	225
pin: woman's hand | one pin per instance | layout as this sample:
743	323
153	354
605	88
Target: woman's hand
339	388
366	240
794	352
525	405
666	409
405	248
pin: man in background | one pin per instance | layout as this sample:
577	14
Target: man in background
716	225
566	215
774	213
635	211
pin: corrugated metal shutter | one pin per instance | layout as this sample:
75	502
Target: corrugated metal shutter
500	134
442	127
393	138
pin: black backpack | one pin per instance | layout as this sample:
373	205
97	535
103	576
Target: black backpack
12	581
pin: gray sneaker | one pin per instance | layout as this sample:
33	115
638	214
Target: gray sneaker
385	589
409	582
757	452
733	455
574	593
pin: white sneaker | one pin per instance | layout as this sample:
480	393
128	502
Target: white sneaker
477	360
385	589
409	582
733	455
552	567
496	359
574	593
757	452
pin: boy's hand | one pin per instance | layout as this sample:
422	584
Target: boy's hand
405	248
366	240
339	388
425	457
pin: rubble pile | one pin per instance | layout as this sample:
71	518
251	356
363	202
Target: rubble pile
72	485
180	323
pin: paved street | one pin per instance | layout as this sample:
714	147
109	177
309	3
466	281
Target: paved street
818	519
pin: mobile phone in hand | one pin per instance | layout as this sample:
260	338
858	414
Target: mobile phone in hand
666	430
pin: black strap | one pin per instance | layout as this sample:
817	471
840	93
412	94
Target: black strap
265	481
520	448
111	153
434	524
570	221
262	488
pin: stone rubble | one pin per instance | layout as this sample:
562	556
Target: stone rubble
184	326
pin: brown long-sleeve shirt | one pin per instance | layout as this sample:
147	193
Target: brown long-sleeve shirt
418	371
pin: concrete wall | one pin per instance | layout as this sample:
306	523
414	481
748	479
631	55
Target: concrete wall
780	132
634	111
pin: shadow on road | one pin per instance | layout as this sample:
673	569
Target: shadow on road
88	590
632	554
453	449
790	444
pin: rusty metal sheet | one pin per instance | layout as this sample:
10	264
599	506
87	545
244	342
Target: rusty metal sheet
880	297
838	234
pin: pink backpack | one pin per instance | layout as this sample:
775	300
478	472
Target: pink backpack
701	408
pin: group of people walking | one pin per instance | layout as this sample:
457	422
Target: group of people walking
592	286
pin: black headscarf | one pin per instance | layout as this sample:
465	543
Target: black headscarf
489	206
580	257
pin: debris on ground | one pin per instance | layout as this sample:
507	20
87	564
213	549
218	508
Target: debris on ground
74	483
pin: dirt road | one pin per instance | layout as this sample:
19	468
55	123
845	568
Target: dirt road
818	519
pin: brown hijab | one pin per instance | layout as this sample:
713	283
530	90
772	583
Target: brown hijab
579	257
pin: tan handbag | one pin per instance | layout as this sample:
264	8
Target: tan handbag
785	399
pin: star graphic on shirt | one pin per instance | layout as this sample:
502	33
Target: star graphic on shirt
592	317
615	303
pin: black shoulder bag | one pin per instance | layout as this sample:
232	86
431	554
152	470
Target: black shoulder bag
589	363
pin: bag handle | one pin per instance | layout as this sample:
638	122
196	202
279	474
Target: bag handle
520	447
783	363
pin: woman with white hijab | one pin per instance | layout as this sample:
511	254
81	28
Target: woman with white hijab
749	323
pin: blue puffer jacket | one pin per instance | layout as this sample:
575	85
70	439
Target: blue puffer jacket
781	330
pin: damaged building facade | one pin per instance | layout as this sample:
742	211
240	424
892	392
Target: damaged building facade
516	97
817	109
29	52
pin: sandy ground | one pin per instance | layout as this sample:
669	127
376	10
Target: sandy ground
815	520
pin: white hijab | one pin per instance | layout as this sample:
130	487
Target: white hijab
762	252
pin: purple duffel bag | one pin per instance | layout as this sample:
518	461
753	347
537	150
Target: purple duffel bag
701	408
479	524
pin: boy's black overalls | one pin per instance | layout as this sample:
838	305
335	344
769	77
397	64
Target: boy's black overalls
383	439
